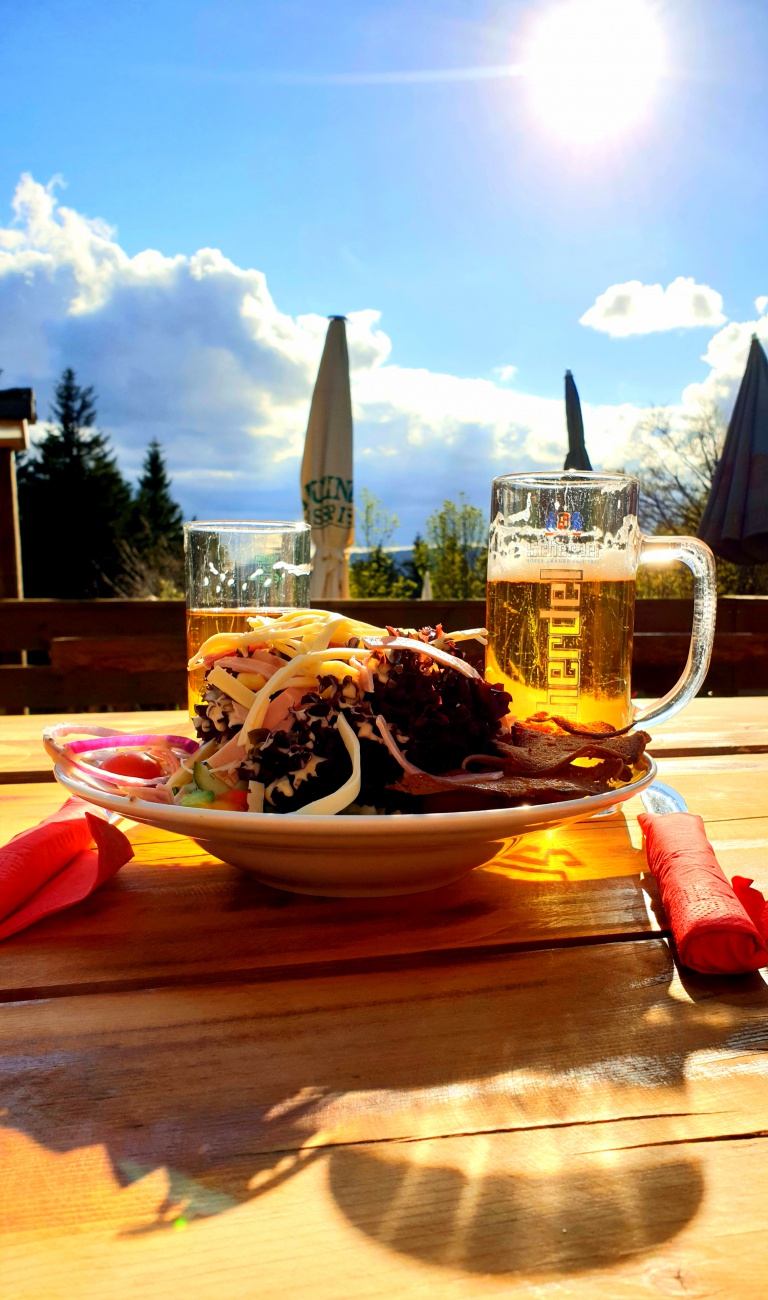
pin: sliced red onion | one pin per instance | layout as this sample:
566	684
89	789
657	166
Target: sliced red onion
148	742
366	676
393	747
421	648
487	759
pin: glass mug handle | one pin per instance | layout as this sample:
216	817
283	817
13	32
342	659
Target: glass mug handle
701	562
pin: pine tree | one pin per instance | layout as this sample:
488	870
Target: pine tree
73	502
153	555
158	518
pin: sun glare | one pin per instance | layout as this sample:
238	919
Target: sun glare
593	66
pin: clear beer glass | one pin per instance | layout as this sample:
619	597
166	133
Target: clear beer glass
563	555
234	570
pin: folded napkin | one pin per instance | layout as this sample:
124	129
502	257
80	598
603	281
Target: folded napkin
718	928
57	863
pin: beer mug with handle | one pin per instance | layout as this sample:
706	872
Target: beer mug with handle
563	555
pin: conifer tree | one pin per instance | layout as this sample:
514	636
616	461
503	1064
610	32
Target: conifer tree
73	501
157	516
153	554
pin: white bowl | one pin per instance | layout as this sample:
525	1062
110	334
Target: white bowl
357	857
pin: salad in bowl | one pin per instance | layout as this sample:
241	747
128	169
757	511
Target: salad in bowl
311	713
335	757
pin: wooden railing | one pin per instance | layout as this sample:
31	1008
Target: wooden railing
62	656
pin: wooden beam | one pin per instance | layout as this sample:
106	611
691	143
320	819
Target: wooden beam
11	587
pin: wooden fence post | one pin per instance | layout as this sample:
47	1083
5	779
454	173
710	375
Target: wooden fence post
17	410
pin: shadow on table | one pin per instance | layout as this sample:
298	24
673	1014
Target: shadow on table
235	1092
520	1222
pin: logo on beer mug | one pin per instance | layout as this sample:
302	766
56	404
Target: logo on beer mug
564	521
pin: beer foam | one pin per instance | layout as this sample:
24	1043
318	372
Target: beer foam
519	552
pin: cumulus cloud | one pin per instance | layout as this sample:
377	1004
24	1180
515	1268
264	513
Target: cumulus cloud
726	354
195	352
637	308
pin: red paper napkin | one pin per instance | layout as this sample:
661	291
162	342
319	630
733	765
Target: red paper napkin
718	928
55	864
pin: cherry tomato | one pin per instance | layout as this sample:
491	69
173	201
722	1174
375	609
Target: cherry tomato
133	764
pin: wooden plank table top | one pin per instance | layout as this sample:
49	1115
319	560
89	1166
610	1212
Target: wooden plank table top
501	1087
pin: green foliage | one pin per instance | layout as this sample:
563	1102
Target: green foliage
375	524
415	569
377	575
679	464
454	553
457	537
73	502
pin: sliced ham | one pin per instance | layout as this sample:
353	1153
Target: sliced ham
264	664
232	752
278	712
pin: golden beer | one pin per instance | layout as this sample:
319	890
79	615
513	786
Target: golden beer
202	623
563	643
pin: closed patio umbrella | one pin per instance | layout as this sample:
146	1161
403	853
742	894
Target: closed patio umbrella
735	519
326	469
577	457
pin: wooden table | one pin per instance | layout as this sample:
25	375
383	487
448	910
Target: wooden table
502	1087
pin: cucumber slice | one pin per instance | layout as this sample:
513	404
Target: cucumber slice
205	779
197	798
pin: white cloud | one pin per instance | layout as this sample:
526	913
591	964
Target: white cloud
726	354
194	351
636	308
761	304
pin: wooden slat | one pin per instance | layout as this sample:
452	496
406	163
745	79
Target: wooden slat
42	688
653	649
579	1121
717	725
31	624
175	915
124	654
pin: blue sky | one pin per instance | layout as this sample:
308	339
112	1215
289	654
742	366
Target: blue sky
479	234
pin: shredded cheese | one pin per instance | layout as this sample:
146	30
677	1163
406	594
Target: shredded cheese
346	793
232	686
256	796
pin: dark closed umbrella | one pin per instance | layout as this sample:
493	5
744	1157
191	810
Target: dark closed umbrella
577	457
735	519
